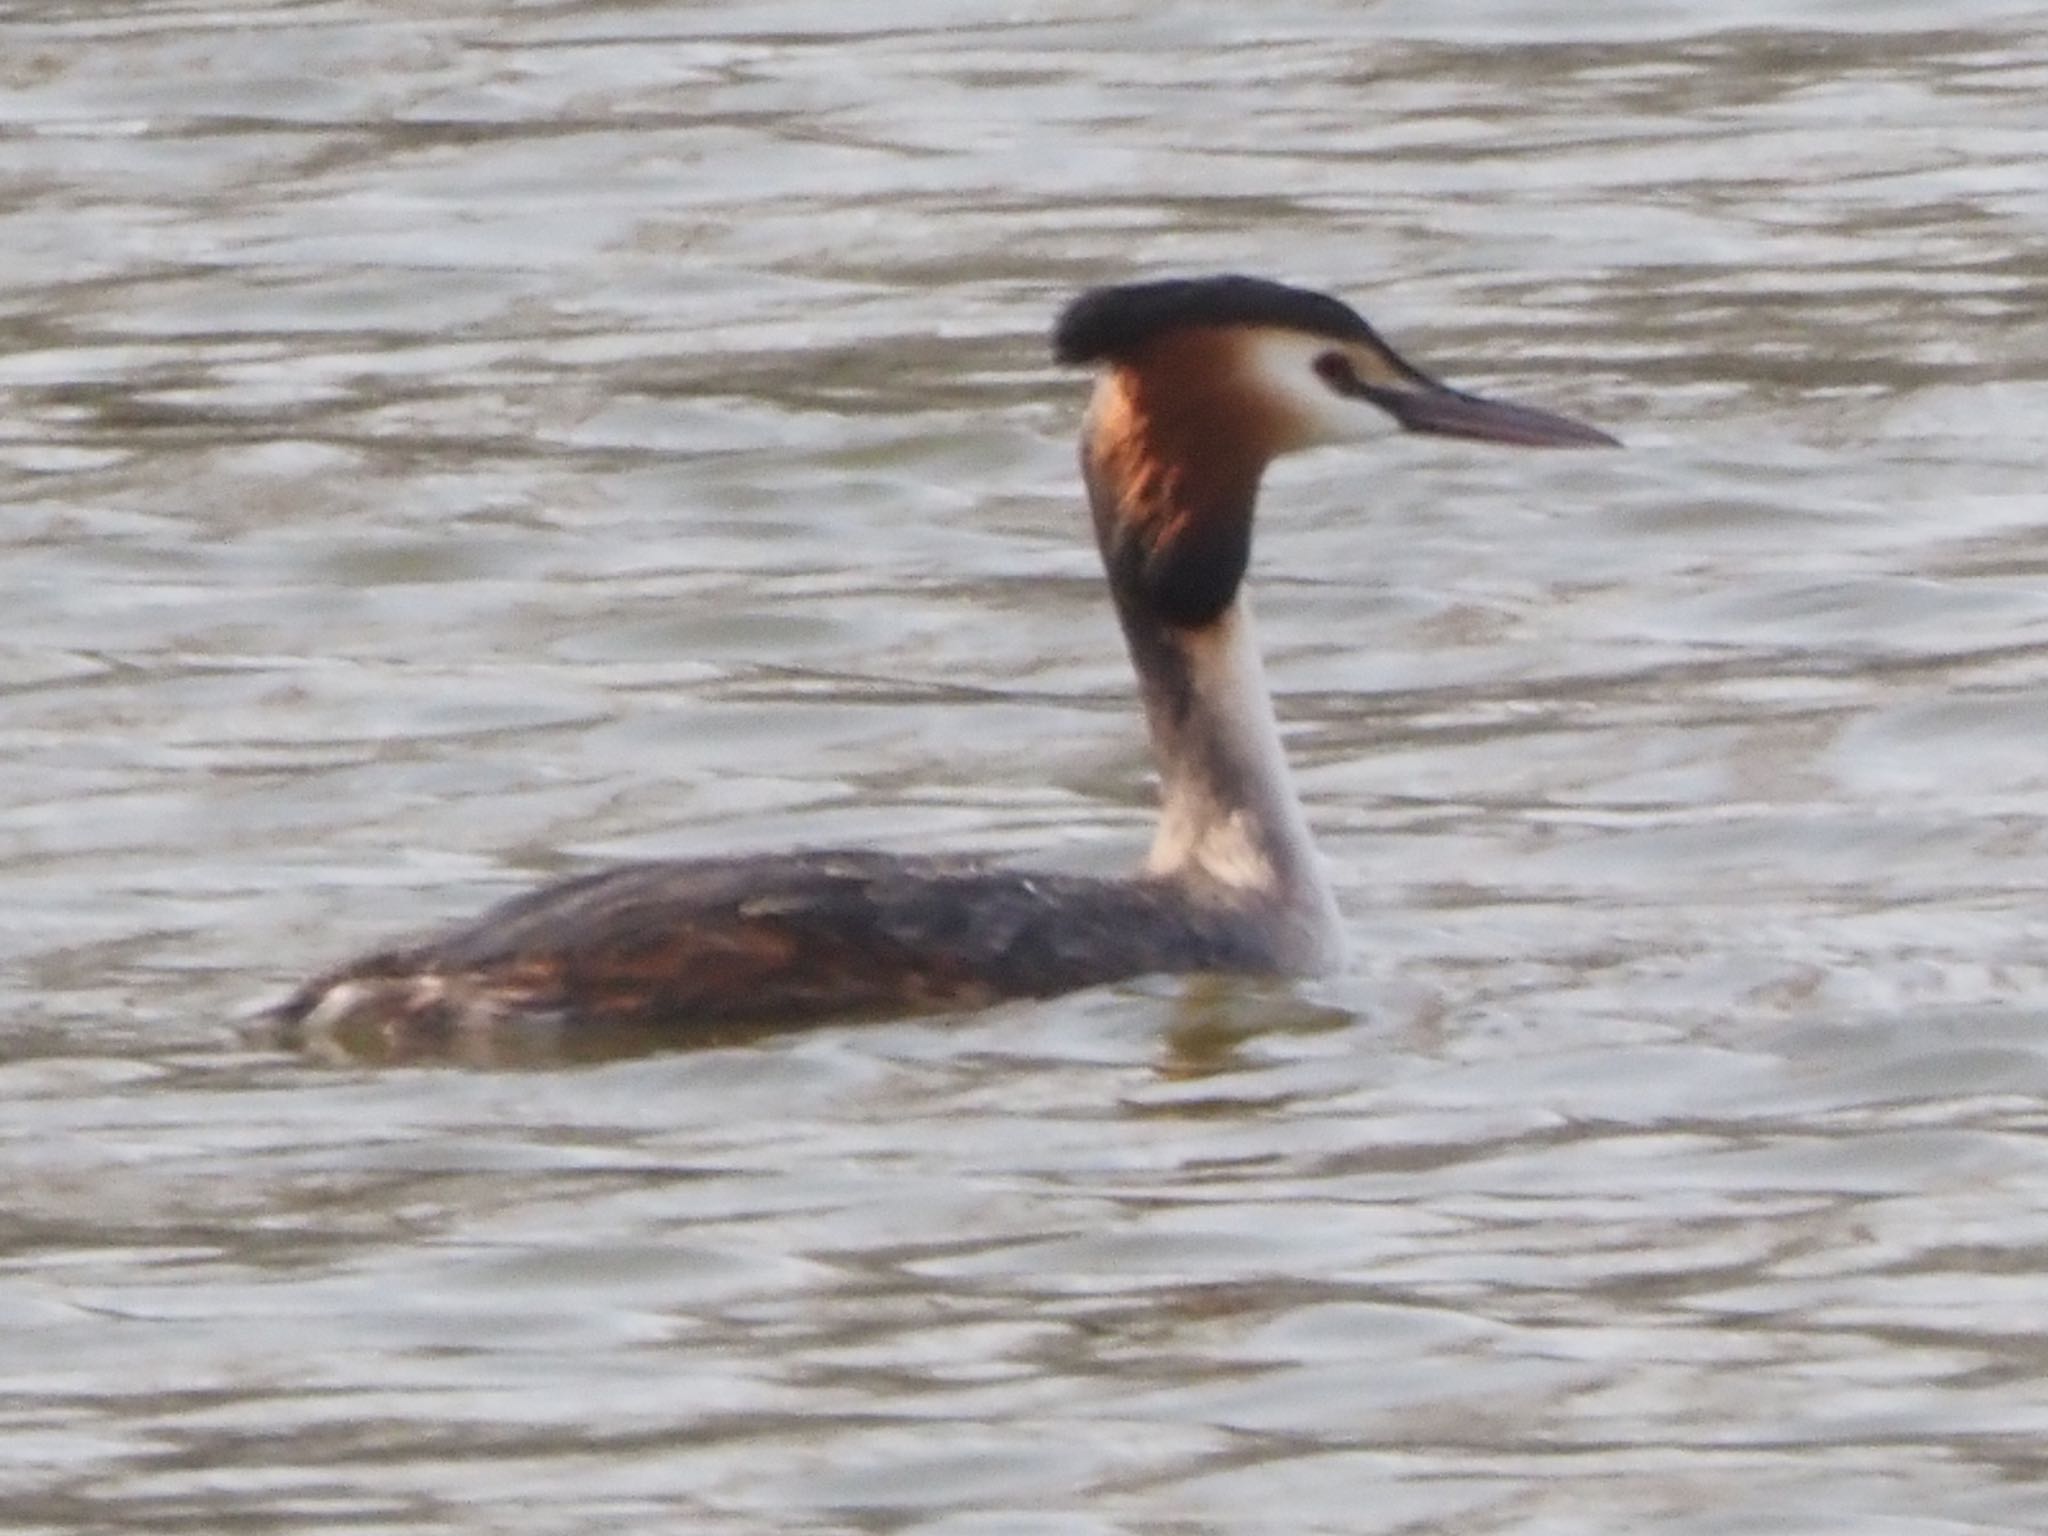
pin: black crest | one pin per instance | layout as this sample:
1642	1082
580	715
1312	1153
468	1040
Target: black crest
1112	322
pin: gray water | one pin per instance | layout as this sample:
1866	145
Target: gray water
446	444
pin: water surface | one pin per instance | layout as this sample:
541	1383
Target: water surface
447	445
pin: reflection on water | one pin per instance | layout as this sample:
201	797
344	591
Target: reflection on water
449	445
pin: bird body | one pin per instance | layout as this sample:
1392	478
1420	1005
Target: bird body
1201	384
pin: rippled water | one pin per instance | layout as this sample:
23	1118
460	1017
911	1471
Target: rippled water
448	443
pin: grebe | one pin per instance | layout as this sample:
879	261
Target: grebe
1203	382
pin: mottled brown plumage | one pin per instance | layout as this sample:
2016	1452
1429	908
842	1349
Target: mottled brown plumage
703	950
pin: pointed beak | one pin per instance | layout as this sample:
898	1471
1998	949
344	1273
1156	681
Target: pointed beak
1420	404
1444	412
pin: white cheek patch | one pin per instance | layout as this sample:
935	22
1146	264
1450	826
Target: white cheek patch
1281	367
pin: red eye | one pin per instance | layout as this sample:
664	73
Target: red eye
1335	370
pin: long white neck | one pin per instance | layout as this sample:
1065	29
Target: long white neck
1173	488
1229	820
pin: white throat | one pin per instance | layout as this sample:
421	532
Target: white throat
1229	818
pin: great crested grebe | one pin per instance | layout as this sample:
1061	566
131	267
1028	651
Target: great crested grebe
1203	382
